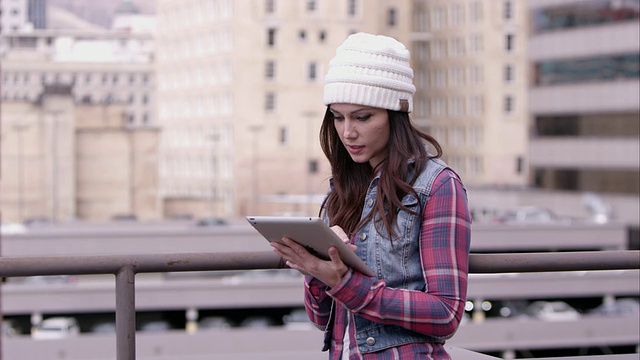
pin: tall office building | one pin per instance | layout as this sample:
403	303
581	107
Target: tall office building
470	71
584	100
240	88
37	13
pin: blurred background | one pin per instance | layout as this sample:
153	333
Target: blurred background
157	125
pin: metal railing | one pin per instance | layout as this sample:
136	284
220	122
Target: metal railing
125	267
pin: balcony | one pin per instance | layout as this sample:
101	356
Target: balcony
574	152
618	96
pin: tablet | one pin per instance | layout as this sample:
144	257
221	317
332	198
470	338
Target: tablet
310	232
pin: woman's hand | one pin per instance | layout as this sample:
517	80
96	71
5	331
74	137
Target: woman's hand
297	257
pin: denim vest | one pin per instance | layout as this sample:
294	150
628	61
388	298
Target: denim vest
397	262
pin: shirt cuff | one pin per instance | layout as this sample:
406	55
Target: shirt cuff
353	290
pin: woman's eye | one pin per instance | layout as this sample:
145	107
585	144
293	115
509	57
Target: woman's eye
363	117
338	118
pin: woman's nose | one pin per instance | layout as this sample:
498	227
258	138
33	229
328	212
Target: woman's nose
349	130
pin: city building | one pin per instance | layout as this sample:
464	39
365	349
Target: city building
240	87
471	77
13	15
78	114
585	101
66	161
37	13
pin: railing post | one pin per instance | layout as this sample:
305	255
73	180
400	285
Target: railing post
125	314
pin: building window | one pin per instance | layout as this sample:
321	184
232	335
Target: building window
392	17
438	49
476	105
283	135
322	36
270	6
271	37
509	104
439	78
476	75
456	106
302	35
509	44
456	47
457	15
476	43
508	10
508	73
312	71
352	8
270	70
311	6
475	165
550	18
519	165
313	166
591	69
475	11
438	18
270	101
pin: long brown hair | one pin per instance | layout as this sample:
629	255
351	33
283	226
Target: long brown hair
351	180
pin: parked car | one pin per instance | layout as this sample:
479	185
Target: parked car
211	222
552	311
297	319
9	328
155	326
513	308
260	322
104	327
625	306
215	322
12	228
531	215
56	328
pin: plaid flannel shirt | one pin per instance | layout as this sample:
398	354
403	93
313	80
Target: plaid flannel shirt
445	242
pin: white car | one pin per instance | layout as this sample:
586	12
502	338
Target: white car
12	228
56	328
552	311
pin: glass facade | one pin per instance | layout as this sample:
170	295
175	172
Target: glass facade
592	69
585	13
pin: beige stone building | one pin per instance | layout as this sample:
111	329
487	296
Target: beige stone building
471	78
62	161
240	99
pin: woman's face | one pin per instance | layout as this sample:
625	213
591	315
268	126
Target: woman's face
363	130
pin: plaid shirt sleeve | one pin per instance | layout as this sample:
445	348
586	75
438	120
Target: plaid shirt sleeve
317	302
444	244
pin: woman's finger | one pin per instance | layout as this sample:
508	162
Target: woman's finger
341	233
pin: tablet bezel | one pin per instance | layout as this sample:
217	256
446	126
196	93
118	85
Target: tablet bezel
310	232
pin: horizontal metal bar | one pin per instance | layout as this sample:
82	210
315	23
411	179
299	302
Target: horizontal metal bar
554	261
146	263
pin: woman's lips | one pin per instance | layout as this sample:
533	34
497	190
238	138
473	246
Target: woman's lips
355	149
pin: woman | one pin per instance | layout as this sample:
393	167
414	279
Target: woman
402	209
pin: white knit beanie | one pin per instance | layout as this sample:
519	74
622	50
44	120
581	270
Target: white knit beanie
371	70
